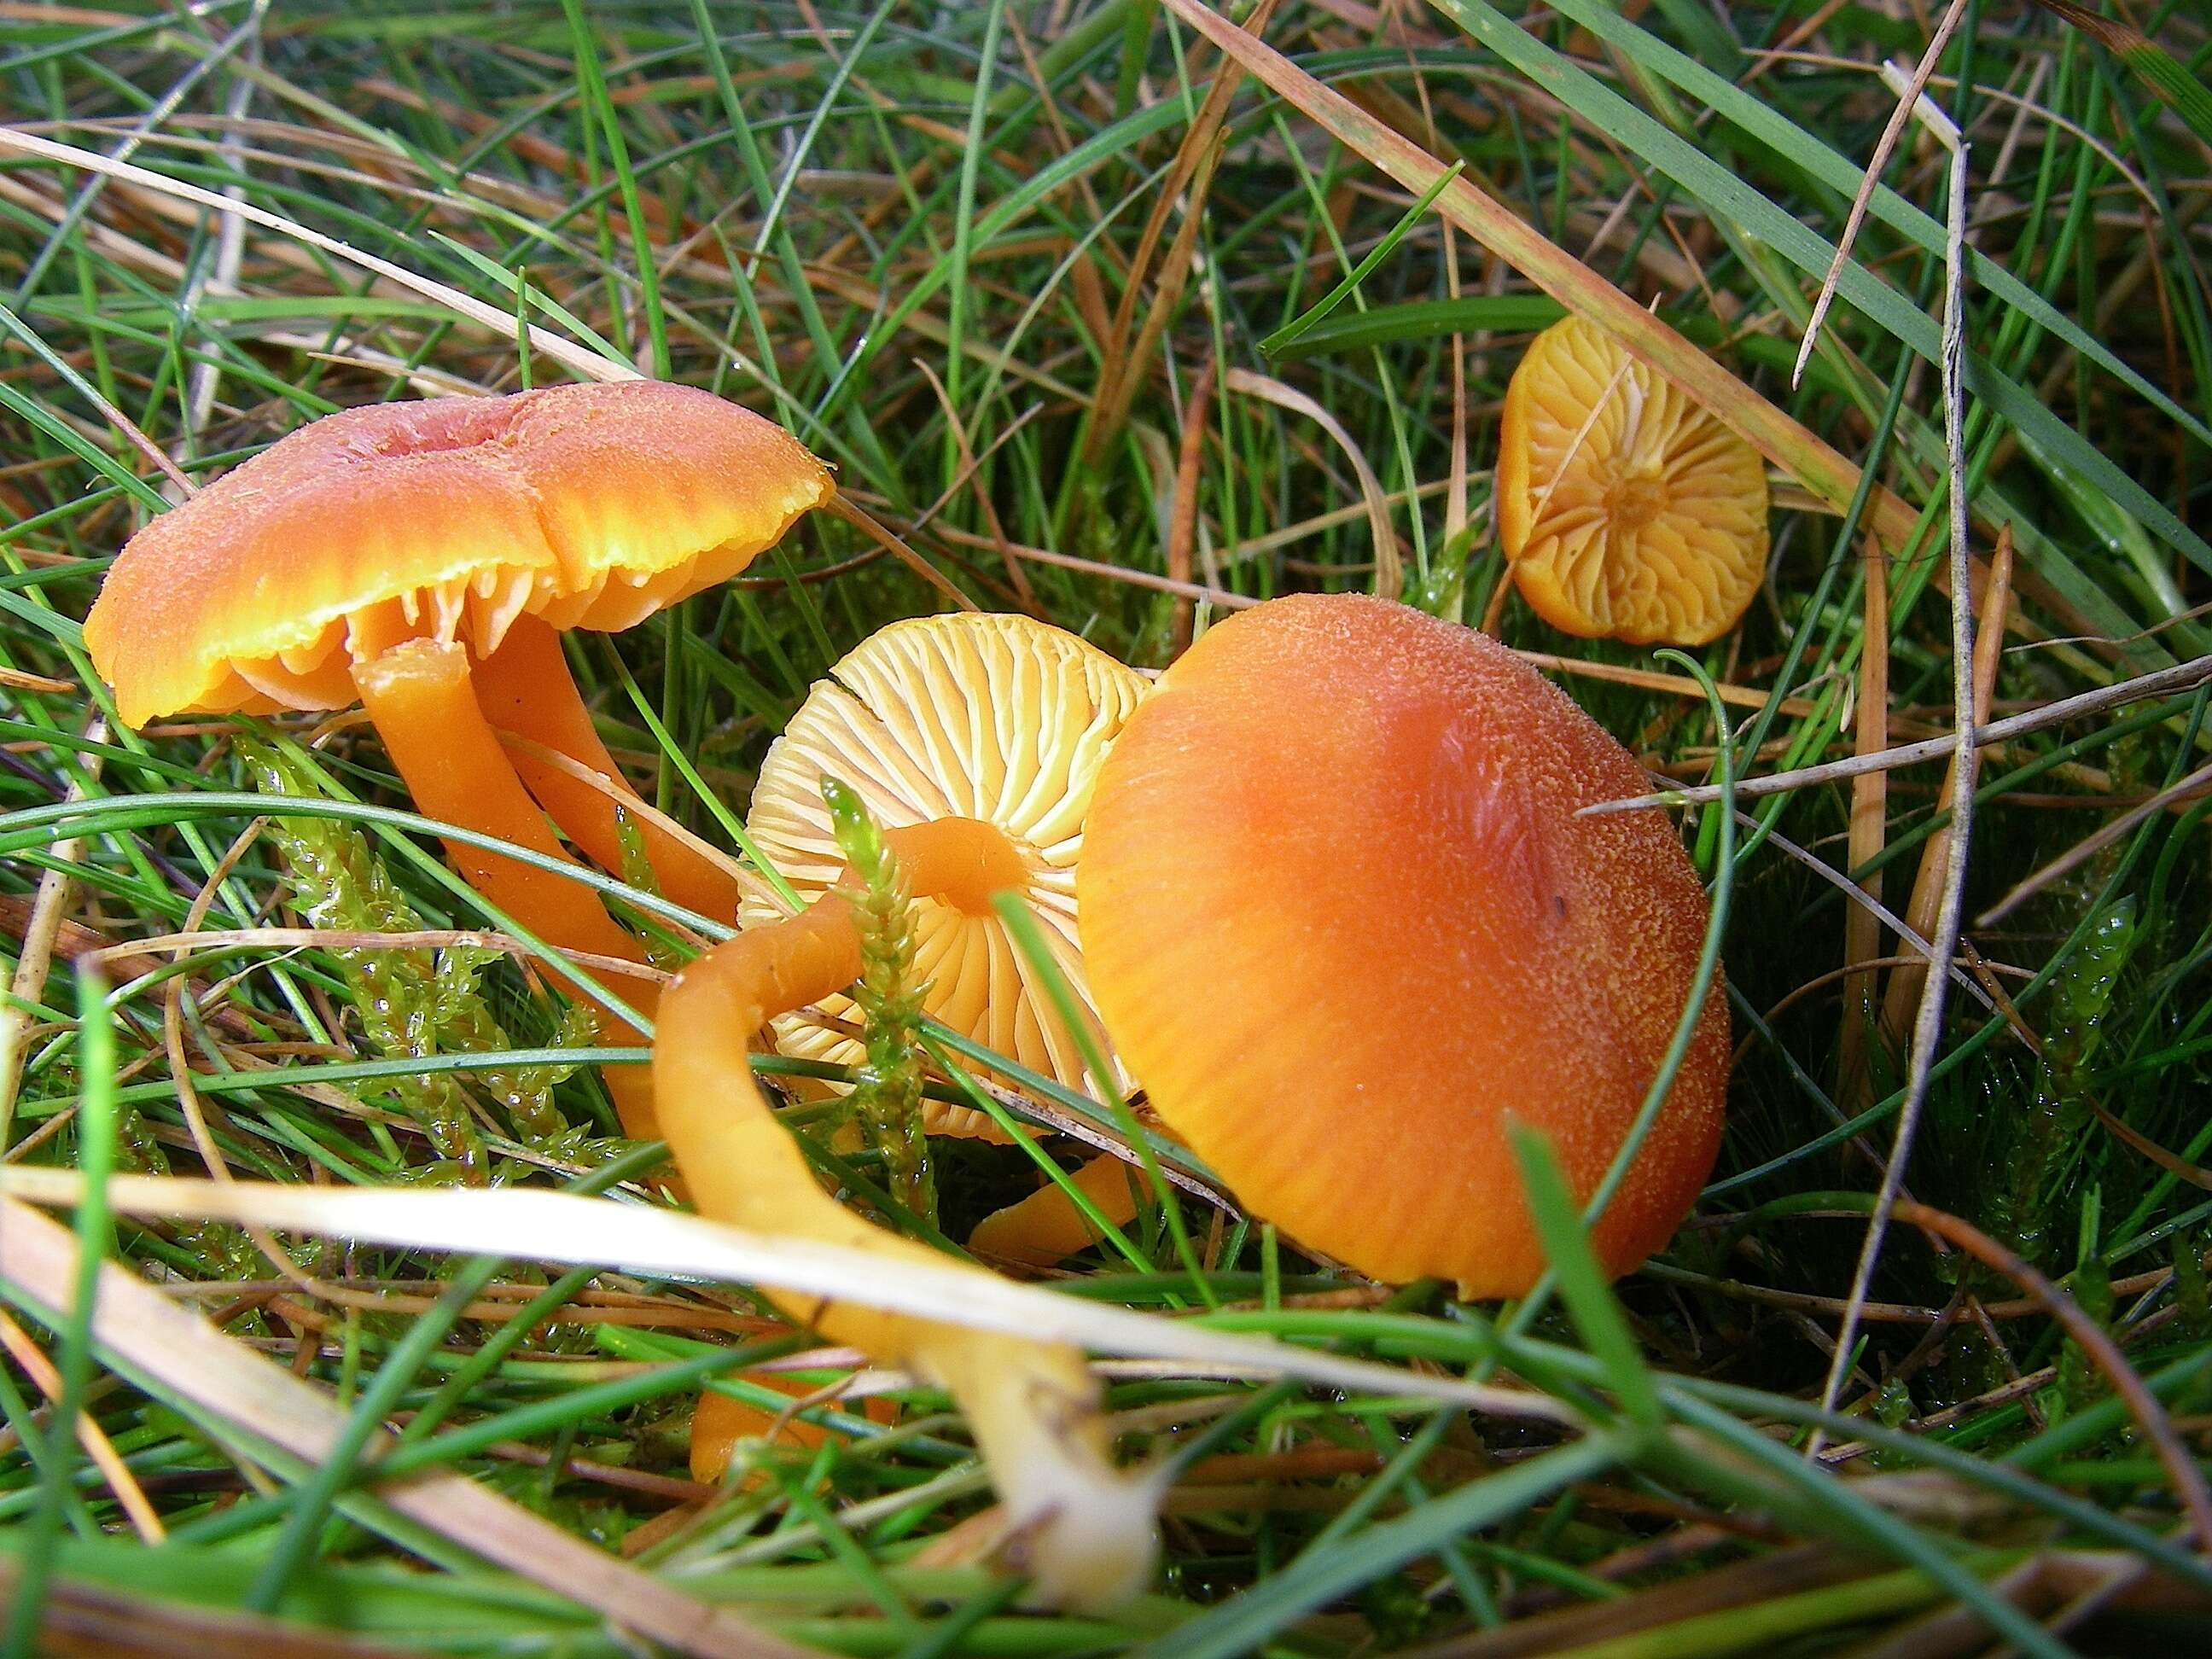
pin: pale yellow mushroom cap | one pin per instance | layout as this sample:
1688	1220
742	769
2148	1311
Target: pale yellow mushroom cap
1000	719
1628	510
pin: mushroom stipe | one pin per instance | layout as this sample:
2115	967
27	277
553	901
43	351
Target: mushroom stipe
973	739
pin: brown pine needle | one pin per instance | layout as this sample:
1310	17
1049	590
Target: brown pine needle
2181	1466
1124	357
1182	528
970	462
2165	682
1868	829
1876	165
845	508
1928	1021
1903	991
94	1438
2196	784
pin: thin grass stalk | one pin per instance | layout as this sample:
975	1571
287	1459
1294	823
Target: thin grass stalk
1928	1027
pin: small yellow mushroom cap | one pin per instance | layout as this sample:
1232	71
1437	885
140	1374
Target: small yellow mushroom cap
1000	719
1346	928
1628	511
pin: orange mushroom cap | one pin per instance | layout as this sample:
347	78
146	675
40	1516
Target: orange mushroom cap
1343	925
999	720
591	506
1628	511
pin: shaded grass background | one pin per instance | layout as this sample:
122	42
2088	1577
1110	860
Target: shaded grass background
1007	268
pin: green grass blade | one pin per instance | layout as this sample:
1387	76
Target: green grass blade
96	1239
1251	1620
2187	92
1290	332
598	107
1581	1280
1029	938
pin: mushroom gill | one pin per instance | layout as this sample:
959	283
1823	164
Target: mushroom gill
999	721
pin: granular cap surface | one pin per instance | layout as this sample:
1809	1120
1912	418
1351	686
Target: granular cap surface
1343	924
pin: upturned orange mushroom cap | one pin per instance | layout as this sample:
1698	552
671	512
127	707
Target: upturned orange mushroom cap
998	721
419	557
1628	511
976	738
1343	925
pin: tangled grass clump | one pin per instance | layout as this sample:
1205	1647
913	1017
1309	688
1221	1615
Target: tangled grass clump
1125	313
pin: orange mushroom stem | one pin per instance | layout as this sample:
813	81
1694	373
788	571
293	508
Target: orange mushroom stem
526	688
721	1423
1046	1228
420	697
1082	1531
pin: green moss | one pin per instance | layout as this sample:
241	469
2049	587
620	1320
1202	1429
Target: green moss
888	1100
411	1001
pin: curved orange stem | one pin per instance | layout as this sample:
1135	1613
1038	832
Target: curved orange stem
1046	1228
524	687
720	1423
1084	1531
419	696
965	862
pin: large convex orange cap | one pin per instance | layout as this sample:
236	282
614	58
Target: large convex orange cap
1343	925
590	506
1628	512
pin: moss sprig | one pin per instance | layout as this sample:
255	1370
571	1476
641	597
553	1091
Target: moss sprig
411	1003
888	1099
